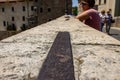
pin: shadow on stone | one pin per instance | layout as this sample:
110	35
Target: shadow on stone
113	34
59	62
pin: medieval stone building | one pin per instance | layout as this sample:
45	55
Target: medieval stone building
51	9
23	14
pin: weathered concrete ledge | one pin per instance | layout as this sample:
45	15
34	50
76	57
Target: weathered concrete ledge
96	55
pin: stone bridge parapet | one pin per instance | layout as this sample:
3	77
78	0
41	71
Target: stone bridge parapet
96	56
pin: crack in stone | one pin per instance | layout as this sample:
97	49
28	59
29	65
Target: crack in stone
96	44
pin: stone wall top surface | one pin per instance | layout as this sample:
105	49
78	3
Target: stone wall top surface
96	55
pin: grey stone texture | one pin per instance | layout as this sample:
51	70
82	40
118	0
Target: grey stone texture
51	9
96	55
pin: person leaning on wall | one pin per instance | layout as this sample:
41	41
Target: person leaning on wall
89	16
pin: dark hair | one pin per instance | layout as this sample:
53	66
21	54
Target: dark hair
91	3
103	11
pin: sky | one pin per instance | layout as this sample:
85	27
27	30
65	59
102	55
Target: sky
75	3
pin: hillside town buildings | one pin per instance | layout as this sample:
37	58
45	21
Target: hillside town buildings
14	14
23	14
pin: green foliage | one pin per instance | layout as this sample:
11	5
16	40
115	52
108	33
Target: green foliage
75	10
24	27
11	27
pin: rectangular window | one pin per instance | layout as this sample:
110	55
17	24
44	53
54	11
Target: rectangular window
99	2
4	23
36	0
32	8
12	9
3	9
41	10
104	1
23	8
13	19
49	9
23	18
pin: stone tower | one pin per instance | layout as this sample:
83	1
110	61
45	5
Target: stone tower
51	9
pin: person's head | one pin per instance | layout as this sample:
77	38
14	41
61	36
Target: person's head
108	12
103	11
87	4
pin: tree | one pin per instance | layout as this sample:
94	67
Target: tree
75	10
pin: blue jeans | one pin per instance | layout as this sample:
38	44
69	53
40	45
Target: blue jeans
101	27
108	26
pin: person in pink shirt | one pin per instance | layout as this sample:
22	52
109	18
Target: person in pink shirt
89	15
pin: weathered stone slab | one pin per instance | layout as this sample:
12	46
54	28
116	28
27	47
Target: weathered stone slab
80	33
21	61
31	38
59	62
96	62
97	54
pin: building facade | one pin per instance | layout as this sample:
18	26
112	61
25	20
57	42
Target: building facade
14	14
51	9
105	5
23	14
113	5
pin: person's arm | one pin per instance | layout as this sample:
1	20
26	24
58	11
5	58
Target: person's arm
82	16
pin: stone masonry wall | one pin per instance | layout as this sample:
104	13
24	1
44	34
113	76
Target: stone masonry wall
96	55
51	9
